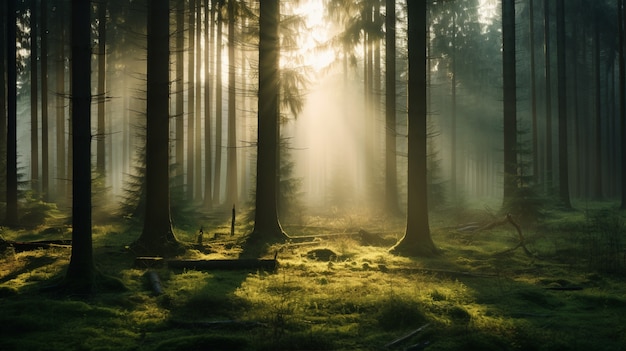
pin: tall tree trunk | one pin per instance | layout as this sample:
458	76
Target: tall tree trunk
267	227
562	98
621	10
11	218
209	17
34	98
60	109
416	240
45	170
81	271
180	91
231	169
3	100
548	77
191	98
453	127
217	179
510	102
597	180
198	114
157	237
391	172
100	153
533	95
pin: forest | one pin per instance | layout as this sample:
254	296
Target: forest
312	175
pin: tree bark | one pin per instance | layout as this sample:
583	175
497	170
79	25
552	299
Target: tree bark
191	98
100	153
81	271
548	77
209	16
562	99
34	99
391	172
621	11
157	237
510	102
217	179
267	227
11	218
416	240
198	113
45	170
231	168
60	110
533	94
180	91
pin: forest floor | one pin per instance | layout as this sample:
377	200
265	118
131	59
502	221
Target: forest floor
569	294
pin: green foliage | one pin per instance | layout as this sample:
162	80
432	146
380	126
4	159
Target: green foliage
604	239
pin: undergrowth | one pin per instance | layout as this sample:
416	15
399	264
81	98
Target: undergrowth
567	296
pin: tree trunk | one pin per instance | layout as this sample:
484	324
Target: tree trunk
510	102
100	153
391	173
533	95
191	100
453	127
180	91
217	179
45	175
266	224
562	98
198	113
34	99
3	100
548	76
597	180
81	271
621	10
60	110
209	17
416	240
157	237
11	218
231	168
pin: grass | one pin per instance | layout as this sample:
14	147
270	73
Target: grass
470	297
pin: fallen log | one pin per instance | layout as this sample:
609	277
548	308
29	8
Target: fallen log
225	264
35	245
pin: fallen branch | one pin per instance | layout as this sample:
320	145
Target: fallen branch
35	245
225	264
407	336
224	324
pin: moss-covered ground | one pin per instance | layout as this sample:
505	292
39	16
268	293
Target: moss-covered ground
569	295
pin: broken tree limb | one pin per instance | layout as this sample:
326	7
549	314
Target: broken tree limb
35	245
407	336
225	264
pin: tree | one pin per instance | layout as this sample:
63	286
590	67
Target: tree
562	100
81	271
621	12
191	101
267	227
391	181
533	92
102	58
11	218
416	240
34	97
231	167
217	179
157	237
45	171
548	77
209	17
510	102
